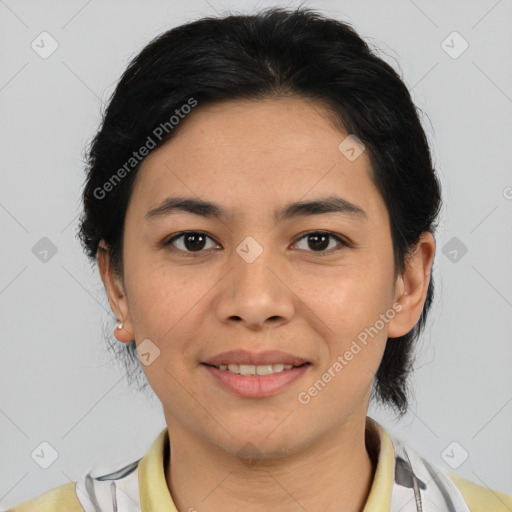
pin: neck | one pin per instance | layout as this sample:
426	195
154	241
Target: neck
335	473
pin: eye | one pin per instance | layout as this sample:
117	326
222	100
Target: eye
319	241
187	243
193	242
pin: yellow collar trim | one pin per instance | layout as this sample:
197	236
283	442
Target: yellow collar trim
379	499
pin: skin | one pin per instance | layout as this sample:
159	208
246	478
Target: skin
255	157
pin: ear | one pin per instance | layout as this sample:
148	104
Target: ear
412	285
116	293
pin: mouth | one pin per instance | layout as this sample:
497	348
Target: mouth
246	358
254	370
255	375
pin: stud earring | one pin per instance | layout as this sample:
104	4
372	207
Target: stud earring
119	325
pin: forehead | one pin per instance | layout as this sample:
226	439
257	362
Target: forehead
284	127
253	151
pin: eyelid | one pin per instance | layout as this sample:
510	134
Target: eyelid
342	242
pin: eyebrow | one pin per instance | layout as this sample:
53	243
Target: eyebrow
322	205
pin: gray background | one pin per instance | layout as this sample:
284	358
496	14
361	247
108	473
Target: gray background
58	383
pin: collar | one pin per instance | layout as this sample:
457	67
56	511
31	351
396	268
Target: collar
378	440
155	495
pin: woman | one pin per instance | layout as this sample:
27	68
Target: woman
261	203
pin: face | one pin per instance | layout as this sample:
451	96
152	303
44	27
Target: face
260	283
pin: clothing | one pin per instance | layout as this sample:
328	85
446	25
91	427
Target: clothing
403	482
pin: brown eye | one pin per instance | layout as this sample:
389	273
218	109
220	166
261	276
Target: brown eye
319	241
189	242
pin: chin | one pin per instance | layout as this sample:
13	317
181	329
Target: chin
259	445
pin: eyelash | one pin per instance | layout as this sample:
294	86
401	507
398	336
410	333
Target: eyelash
195	254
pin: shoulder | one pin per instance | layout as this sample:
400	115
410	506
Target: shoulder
95	492
104	488
418	479
55	500
480	498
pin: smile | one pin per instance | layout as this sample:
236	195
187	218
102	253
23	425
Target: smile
252	369
255	381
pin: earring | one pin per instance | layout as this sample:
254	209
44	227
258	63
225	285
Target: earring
119	325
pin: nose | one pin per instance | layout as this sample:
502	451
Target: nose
256	294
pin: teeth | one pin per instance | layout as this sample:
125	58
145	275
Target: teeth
267	369
247	369
251	369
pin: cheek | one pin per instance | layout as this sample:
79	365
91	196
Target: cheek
350	305
163	303
348	300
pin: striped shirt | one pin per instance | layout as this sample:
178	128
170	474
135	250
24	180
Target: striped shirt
403	482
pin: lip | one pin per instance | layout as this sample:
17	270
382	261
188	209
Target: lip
246	357
255	386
